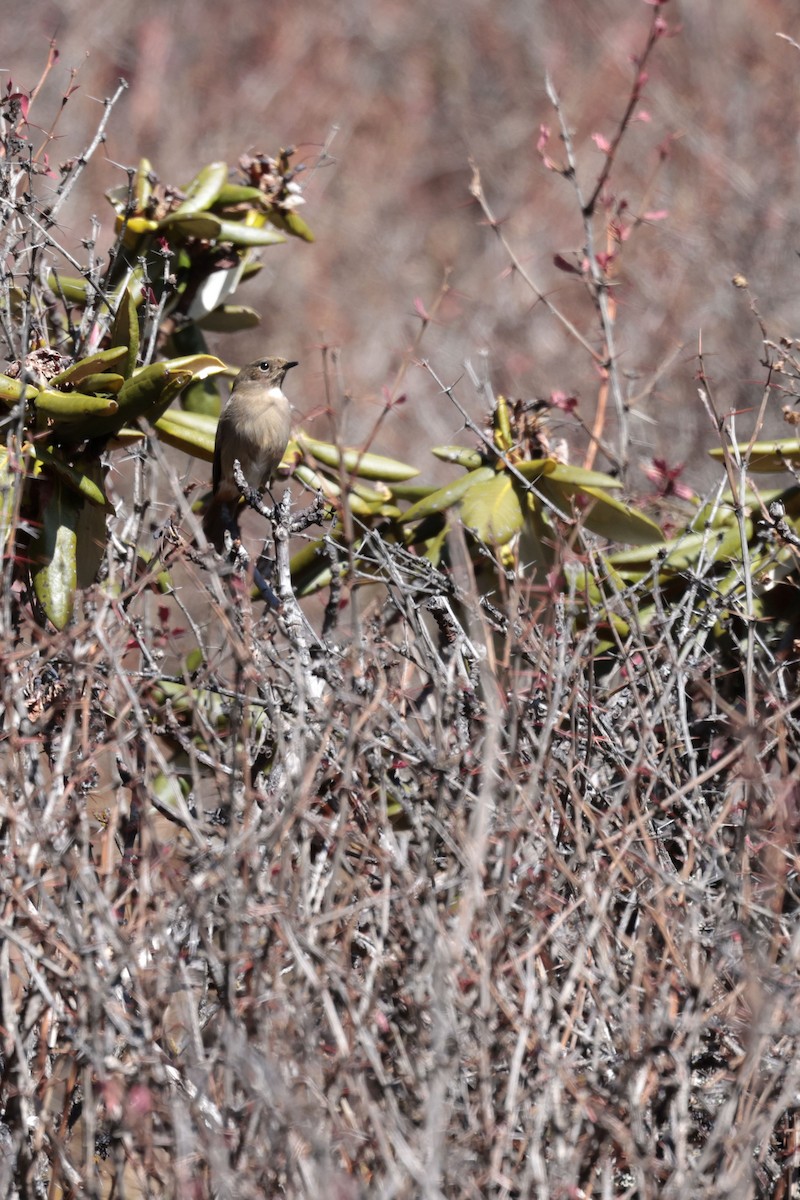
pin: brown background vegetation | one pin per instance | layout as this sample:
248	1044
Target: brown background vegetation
416	88
478	899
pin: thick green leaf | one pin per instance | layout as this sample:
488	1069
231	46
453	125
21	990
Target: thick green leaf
363	501
75	478
104	381
291	223
192	432
535	552
464	456
766	457
11	391
492	509
125	332
67	406
92	530
229	318
201	366
203	190
446	497
191	225
503	437
142	185
575	477
239	234
613	519
84	368
54	551
73	288
311	566
365	465
148	393
237	193
412	491
8	481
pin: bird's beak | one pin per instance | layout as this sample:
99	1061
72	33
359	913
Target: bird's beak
288	365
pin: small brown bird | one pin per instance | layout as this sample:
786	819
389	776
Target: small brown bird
254	427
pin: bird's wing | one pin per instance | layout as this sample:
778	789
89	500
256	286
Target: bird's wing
216	470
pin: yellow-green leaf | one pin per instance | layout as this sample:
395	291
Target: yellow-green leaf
74	289
291	223
766	457
445	497
355	462
201	366
613	519
104	381
125	332
54	551
192	432
239	234
8	478
492	509
203	190
575	477
12	391
502	426
91	365
191	225
67	406
464	456
237	193
148	393
78	480
142	186
229	318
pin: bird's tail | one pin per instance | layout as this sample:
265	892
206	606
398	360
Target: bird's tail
218	517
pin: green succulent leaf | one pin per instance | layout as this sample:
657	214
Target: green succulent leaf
8	479
493	510
291	223
142	185
239	234
93	364
148	393
54	551
229	318
125	333
464	456
192	432
311	566
80	482
104	381
503	437
12	391
619	522
67	406
191	225
766	457
238	193
363	501
355	462
575	477
73	288
446	497
203	190
412	491
201	366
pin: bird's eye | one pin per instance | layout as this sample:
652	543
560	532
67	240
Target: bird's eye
264	366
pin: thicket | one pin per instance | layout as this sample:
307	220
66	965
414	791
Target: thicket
475	873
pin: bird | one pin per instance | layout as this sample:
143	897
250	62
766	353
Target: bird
254	428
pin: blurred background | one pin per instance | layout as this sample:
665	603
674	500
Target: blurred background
404	93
